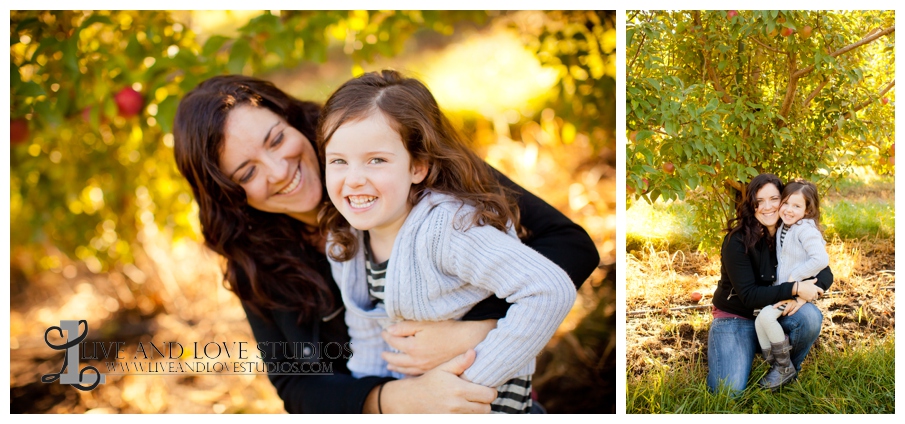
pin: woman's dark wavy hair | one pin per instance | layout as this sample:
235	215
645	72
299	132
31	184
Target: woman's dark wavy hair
745	221
269	263
428	136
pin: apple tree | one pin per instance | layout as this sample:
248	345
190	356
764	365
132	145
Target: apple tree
714	98
92	100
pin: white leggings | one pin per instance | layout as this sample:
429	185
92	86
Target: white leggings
767	328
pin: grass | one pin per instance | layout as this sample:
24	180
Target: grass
851	380
860	206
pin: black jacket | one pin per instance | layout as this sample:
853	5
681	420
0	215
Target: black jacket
746	279
550	233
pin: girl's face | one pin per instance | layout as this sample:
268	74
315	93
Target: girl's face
273	162
767	208
793	208
370	173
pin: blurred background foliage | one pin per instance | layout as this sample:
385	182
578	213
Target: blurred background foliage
102	223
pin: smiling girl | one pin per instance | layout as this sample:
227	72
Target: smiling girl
801	255
419	230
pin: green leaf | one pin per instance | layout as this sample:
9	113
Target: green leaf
672	128
95	18
238	55
166	112
643	135
654	83
213	44
30	89
751	171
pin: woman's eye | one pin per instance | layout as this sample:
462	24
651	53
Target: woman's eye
245	178
277	140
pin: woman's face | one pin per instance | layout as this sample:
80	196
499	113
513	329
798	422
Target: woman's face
273	162
767	206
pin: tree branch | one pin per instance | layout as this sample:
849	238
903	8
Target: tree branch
790	90
643	37
867	39
772	49
713	77
815	92
865	103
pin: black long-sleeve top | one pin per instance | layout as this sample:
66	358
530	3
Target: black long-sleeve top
550	233
746	278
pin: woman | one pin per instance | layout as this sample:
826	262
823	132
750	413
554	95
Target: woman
748	270
247	150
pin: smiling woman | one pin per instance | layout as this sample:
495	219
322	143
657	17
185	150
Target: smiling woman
273	162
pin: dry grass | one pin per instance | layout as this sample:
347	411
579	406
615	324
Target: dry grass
674	332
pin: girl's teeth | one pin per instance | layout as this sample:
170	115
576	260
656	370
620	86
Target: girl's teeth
360	202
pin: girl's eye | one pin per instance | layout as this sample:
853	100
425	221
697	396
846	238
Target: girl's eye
377	160
337	162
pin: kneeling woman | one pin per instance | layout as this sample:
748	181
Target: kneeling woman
748	270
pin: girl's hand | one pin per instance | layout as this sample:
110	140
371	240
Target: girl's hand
808	291
440	390
425	345
792	306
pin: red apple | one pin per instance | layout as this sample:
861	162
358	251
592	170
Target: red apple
805	32
731	14
696	297
129	102
786	31
669	167
885	100
18	131
629	189
891	160
772	33
646	185
633	135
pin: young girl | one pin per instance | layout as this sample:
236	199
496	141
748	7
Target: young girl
419	230
801	254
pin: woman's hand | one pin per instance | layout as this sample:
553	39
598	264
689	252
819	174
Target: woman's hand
425	345
792	306
439	390
808	291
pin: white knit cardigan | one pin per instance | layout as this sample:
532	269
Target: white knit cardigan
802	253
439	268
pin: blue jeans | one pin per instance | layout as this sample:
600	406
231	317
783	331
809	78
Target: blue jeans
732	344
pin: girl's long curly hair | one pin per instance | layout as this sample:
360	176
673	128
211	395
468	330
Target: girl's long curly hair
745	221
428	136
808	191
270	263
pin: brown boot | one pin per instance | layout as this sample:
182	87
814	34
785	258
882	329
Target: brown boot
782	372
768	356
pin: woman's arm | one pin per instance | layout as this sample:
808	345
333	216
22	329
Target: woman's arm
438	390
742	269
542	293
339	393
553	235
